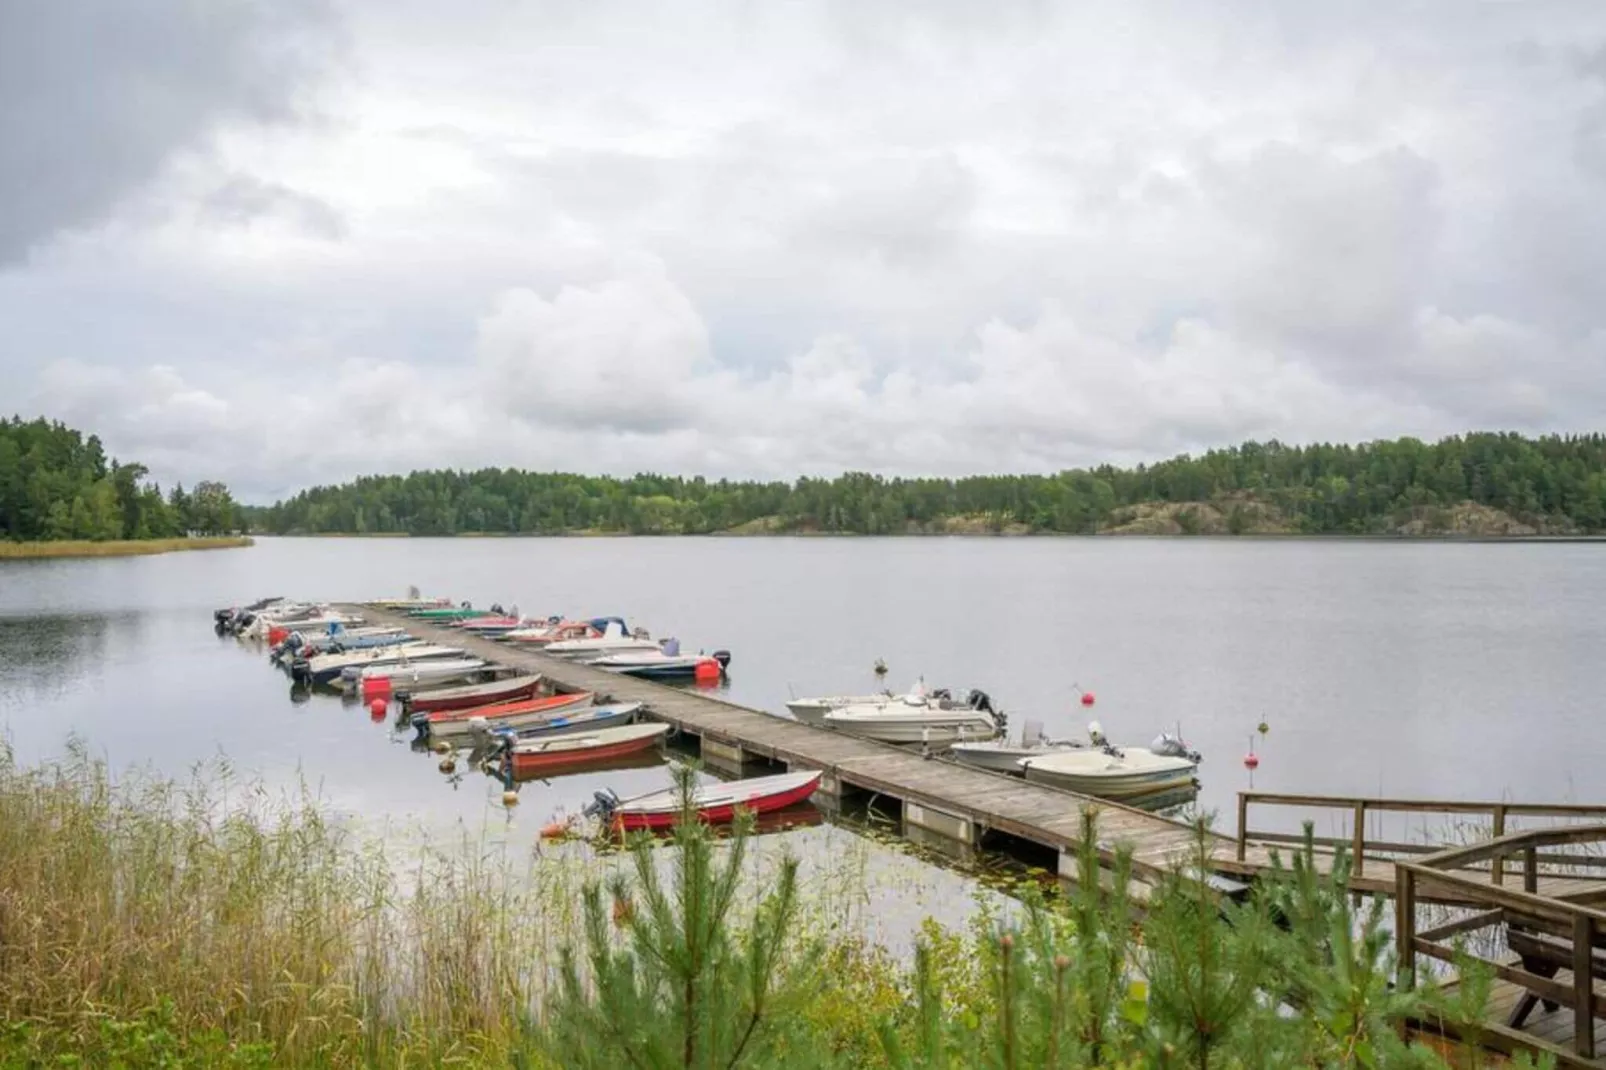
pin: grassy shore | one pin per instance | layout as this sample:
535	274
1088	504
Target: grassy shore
119	547
151	923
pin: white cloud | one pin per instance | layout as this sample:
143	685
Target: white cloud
778	239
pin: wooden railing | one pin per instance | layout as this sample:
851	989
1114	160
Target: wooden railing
1549	933
1496	814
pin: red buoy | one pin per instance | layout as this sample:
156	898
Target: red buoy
1251	761
377	708
707	670
1087	698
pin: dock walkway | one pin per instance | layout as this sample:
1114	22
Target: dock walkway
955	801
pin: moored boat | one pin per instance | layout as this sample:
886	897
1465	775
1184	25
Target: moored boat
1108	772
387	679
449	723
508	689
665	663
599	745
565	722
616	638
813	710
713	803
1001	756
329	668
937	720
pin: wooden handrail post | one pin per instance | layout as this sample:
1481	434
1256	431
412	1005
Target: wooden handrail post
1584	985
1358	849
1405	928
1530	870
1243	823
1498	864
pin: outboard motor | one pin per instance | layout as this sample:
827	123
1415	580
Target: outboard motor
1174	747
602	803
301	671
420	723
980	701
496	607
723	657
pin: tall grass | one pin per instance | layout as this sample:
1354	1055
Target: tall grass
151	923
118	547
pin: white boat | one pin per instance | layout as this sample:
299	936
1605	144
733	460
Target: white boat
813	710
615	640
1003	756
326	668
432	671
1109	772
936	720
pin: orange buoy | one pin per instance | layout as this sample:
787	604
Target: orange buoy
707	669
377	708
555	830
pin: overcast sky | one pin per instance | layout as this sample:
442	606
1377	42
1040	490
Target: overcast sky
288	242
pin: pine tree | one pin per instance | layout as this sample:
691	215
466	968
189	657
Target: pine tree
688	985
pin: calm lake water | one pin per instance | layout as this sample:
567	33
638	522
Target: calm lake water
1433	669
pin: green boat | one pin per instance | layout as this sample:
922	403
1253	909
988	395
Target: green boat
448	613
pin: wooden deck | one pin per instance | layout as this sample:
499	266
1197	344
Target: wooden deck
1544	1031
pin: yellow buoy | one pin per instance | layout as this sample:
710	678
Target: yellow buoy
441	746
448	765
510	798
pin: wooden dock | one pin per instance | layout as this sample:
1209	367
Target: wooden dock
1515	883
962	804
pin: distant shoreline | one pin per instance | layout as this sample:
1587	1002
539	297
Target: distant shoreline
1101	535
117	547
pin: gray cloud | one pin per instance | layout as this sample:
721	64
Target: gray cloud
762	240
95	95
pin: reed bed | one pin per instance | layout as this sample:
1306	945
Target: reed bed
118	547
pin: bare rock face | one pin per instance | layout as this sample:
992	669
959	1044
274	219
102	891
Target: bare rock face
1468	520
1224	516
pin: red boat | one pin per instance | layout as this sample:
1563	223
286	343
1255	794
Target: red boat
716	803
512	689
500	715
545	755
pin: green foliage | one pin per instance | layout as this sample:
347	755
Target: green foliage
1553	483
56	485
691	986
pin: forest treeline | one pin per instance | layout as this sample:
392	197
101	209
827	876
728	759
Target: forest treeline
1552	485
56	484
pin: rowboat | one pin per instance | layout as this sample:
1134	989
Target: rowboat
554	752
328	668
448	613
1112	772
465	697
450	723
412	673
713	803
569	721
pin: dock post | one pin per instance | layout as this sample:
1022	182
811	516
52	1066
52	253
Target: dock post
1358	835
1243	823
1498	865
727	756
1584	985
1405	926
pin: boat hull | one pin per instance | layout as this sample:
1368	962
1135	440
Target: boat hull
936	730
625	820
464	698
998	759
447	724
813	710
562	752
